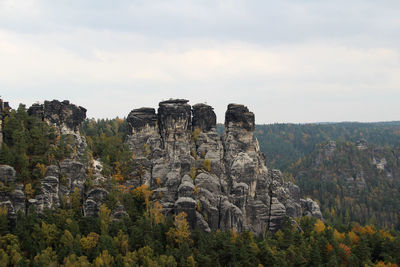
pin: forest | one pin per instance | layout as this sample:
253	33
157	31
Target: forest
64	237
285	143
349	186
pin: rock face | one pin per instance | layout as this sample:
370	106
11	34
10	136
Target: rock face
63	114
65	117
204	117
311	208
13	198
221	182
70	174
174	117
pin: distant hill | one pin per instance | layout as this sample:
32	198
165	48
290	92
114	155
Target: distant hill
353	182
283	144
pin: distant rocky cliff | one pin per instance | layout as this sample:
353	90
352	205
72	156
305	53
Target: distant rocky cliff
220	181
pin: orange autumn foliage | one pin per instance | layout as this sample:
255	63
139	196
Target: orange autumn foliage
319	226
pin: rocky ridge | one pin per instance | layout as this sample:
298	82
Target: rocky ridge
221	182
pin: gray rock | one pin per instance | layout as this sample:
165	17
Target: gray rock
209	182
13	200
119	212
187	205
141	119
311	208
62	114
219	182
93	201
201	223
52	170
277	214
186	189
204	117
17	197
73	174
239	116
49	194
174	119
7	174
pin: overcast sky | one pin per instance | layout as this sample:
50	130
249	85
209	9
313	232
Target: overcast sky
288	61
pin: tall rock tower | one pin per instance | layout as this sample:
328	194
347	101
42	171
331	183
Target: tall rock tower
221	182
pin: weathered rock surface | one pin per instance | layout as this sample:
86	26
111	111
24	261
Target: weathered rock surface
63	114
13	198
204	117
7	174
311	208
70	174
49	194
221	182
174	119
93	201
66	118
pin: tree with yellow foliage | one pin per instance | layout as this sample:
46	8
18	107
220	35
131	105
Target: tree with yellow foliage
42	169
46	233
47	257
105	219
319	226
10	252
180	234
143	192
122	243
104	260
90	241
67	240
117	176
156	214
75	261
353	237
338	236
29	191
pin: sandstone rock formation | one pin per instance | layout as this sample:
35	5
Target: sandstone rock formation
64	115
221	182
70	174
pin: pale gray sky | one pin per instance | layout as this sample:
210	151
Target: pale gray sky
288	61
